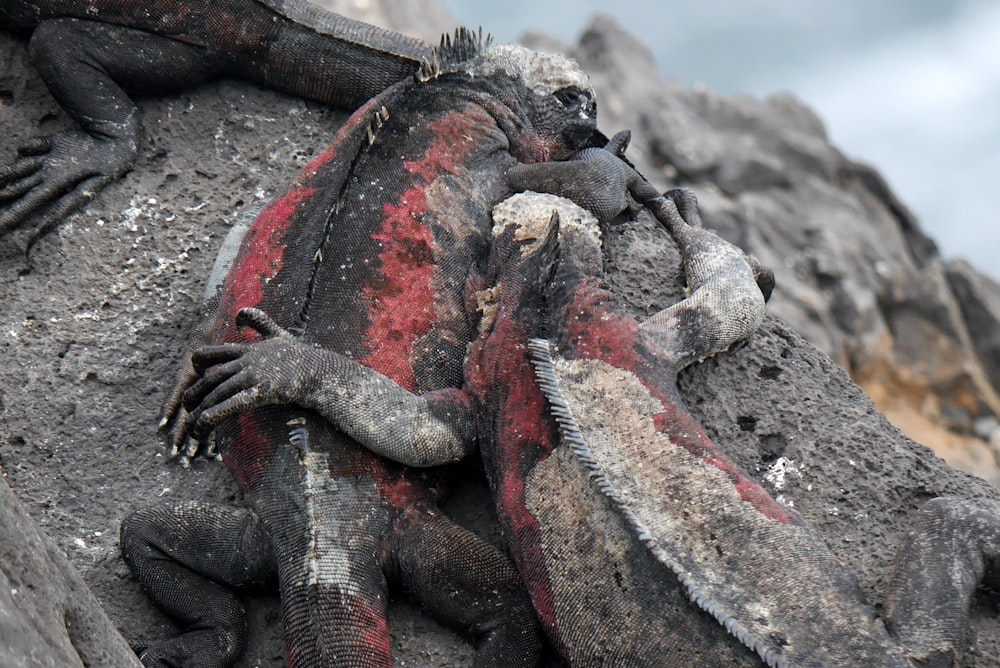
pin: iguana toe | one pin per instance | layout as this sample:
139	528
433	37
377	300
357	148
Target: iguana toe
54	176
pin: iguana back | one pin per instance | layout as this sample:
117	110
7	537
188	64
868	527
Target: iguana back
362	264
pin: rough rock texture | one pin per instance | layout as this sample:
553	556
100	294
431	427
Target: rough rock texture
48	617
979	298
856	275
91	335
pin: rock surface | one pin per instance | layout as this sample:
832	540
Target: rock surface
48	617
90	337
855	274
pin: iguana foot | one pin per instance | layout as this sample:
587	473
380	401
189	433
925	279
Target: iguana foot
725	301
176	418
233	378
60	173
85	64
597	179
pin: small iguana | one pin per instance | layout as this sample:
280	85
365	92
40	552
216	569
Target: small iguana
615	503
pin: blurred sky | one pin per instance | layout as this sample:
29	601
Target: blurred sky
910	86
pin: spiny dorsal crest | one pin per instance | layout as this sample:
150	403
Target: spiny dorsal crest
453	52
474	53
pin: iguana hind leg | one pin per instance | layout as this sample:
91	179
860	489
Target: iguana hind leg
468	585
952	547
188	558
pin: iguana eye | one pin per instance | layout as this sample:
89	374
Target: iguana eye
571	97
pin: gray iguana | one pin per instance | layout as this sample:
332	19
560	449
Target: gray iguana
627	442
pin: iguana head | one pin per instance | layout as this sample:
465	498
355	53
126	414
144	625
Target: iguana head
544	101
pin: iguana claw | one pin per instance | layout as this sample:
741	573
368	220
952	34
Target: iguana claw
237	377
53	176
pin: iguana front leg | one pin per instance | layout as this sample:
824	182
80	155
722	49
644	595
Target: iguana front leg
425	430
597	179
725	302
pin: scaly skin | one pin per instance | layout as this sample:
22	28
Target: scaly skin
617	506
627	444
359	270
365	257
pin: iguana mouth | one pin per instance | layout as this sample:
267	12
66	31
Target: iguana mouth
579	134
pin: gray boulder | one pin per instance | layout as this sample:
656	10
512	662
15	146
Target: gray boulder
48	616
856	275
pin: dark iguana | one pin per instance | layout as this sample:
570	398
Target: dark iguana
362	264
638	510
366	255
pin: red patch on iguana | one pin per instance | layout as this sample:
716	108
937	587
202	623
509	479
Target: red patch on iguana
612	337
249	456
328	154
259	260
373	629
498	370
456	135
397	490
401	300
401	297
525	436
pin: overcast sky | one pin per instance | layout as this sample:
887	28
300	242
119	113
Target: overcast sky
910	86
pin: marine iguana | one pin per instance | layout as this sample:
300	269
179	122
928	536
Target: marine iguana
365	254
94	54
627	443
363	262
